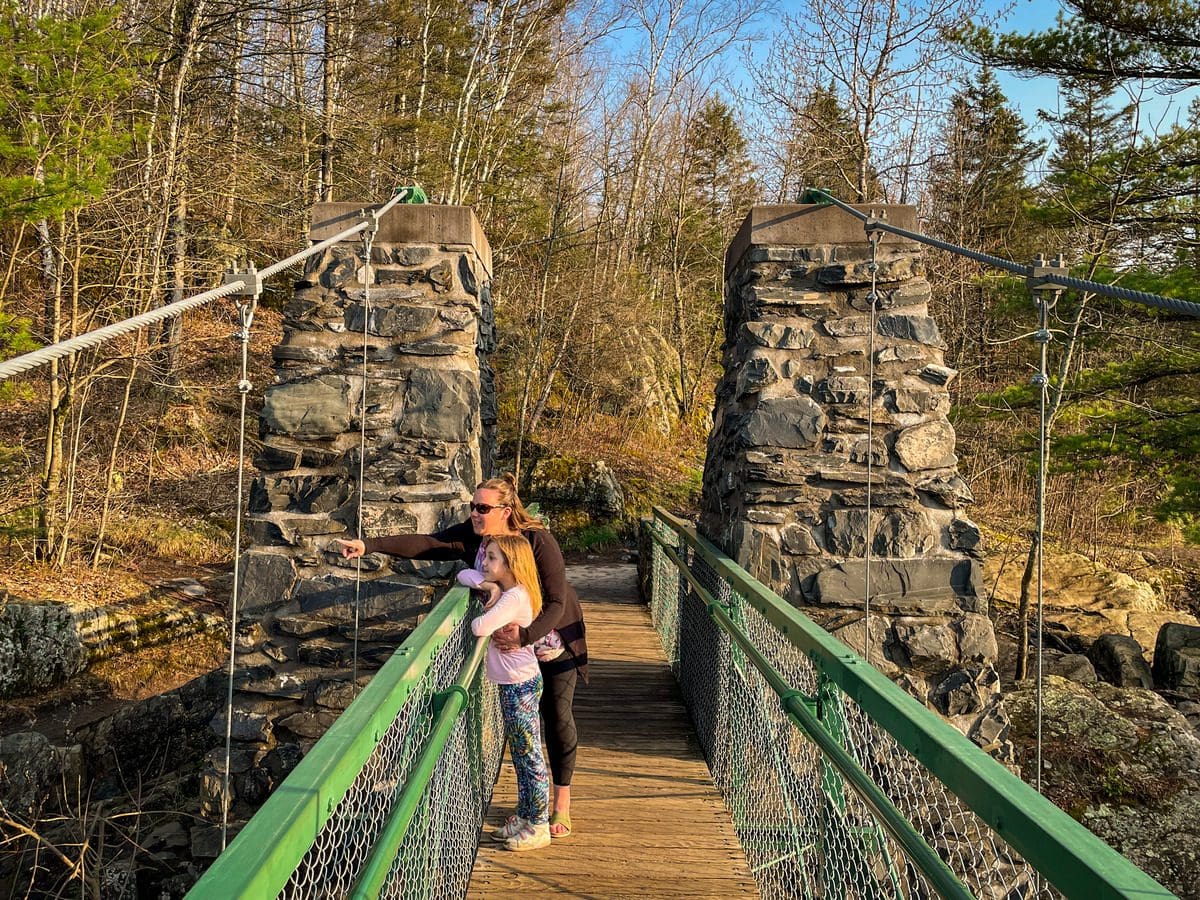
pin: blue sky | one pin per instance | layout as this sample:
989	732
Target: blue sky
1028	95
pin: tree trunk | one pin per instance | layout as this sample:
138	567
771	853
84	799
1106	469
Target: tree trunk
1021	670
172	328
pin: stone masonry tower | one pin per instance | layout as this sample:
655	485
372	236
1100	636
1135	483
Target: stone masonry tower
786	473
428	408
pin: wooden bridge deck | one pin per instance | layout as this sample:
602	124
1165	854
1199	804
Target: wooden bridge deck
647	820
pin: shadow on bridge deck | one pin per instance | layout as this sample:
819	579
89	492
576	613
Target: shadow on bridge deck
648	821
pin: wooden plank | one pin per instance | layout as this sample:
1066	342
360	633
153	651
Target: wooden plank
648	821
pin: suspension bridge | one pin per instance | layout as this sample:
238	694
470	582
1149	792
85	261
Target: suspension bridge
730	745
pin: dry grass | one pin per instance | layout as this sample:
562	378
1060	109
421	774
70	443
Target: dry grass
639	456
174	487
38	581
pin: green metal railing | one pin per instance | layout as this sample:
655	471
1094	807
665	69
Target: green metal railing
840	783
389	802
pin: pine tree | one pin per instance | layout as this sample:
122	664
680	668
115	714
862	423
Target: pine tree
61	129
722	172
827	152
1102	39
978	196
978	188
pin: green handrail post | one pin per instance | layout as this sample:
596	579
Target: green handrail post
1069	856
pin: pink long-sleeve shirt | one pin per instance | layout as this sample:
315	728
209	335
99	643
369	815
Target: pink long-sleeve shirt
514	666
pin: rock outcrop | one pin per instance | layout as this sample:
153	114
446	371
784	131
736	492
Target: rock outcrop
1123	762
44	643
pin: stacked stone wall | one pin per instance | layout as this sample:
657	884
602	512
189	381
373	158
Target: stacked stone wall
785	479
428	408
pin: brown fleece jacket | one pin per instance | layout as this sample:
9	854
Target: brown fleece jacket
560	603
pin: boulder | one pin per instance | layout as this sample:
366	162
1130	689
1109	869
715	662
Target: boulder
1126	765
926	645
1118	660
976	639
40	647
990	730
1073	667
965	692
880	637
30	769
1180	671
1177	658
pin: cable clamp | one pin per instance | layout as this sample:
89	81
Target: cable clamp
244	386
1039	380
1042	275
252	282
246	311
1042	336
371	217
875	225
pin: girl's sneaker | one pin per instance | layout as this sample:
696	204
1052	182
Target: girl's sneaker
530	837
511	827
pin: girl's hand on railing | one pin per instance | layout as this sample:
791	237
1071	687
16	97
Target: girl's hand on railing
491	592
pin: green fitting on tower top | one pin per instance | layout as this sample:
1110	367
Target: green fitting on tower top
814	195
416	194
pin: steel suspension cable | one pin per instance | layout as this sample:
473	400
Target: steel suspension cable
368	242
246	311
1183	307
873	301
48	354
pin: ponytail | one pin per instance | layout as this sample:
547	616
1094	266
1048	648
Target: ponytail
506	487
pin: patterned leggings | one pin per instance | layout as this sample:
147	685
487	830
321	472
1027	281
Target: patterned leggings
519	705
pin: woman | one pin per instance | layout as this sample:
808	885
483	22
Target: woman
557	632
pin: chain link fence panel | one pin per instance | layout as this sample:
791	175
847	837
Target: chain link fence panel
438	851
805	832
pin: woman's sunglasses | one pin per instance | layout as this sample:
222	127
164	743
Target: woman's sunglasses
484	508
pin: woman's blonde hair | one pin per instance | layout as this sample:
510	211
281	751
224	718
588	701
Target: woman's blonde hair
506	487
518	555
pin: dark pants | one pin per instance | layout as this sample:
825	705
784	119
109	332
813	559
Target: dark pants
562	740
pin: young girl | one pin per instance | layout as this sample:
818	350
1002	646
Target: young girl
508	565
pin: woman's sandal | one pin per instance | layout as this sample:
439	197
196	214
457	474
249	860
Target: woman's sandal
563	821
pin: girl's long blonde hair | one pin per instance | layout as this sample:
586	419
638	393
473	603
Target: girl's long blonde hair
506	487
518	555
